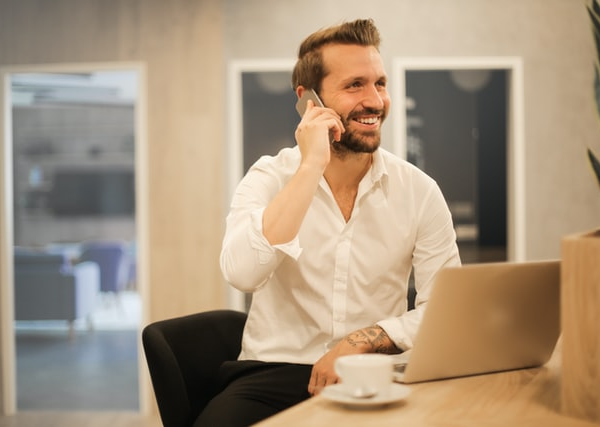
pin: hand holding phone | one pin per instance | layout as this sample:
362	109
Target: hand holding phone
301	106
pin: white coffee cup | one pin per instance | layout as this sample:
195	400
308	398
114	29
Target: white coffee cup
364	375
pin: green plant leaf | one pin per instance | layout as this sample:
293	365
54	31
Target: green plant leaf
593	9
595	164
597	88
596	7
594	12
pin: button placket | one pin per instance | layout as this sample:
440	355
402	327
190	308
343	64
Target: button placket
340	281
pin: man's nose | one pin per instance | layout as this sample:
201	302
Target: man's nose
374	97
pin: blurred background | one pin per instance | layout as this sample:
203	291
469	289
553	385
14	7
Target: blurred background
210	79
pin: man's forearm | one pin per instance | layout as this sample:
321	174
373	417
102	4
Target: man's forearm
372	339
283	216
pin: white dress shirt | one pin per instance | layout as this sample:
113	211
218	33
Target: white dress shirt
335	276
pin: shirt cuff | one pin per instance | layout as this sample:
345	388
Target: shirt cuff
265	250
394	329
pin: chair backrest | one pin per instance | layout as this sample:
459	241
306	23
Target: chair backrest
32	260
184	355
111	257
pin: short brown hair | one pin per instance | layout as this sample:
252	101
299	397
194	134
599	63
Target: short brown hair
309	70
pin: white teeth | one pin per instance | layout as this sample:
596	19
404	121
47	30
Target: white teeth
369	121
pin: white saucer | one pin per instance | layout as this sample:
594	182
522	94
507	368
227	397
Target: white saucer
336	393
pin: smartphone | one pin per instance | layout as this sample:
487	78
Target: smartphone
301	105
308	94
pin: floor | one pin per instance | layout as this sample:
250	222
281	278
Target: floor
87	381
96	370
92	370
79	419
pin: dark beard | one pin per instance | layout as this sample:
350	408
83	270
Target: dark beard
353	142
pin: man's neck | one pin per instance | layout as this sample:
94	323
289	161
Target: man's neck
344	172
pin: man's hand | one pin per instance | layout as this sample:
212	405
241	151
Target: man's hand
312	134
372	339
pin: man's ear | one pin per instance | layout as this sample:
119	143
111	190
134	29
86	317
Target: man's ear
300	91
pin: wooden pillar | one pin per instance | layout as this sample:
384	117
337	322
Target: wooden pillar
580	317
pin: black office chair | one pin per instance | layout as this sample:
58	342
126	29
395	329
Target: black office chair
184	355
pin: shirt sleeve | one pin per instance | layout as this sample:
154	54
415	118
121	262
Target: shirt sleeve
247	258
435	248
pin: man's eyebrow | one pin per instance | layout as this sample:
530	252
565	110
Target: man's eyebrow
353	79
363	79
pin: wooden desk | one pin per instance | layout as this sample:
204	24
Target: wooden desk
528	397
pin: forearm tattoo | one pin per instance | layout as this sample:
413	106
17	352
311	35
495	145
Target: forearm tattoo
373	337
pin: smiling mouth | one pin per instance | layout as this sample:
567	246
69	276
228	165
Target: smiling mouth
367	120
367	117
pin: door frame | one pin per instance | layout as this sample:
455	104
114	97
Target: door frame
8	401
516	202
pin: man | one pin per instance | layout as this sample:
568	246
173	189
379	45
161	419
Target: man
326	235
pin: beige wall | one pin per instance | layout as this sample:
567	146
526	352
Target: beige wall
185	45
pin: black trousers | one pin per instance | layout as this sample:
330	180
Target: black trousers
253	391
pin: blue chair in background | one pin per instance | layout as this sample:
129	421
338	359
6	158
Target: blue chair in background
113	260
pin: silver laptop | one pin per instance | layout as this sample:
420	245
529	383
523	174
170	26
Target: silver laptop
484	318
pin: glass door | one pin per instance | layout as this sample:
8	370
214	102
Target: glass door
76	299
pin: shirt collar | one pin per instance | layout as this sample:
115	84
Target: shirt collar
379	172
